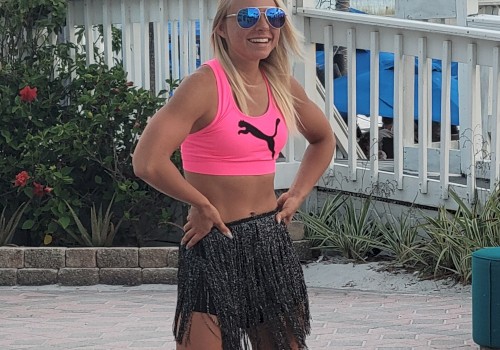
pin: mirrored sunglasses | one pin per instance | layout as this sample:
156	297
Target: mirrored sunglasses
250	16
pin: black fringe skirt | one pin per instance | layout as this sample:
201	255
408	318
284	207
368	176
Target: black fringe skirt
253	283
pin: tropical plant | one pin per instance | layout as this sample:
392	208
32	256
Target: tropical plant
400	238
453	237
102	230
342	228
8	225
317	225
438	245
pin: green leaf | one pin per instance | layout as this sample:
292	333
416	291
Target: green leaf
28	191
8	226
28	225
52	227
66	170
98	180
61	208
64	221
7	135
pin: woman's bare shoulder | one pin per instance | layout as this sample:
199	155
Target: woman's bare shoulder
194	102
196	89
201	78
296	89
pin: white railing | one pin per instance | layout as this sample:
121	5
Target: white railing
158	37
490	7
422	172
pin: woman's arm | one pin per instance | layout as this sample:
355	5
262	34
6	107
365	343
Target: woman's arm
191	108
316	129
163	135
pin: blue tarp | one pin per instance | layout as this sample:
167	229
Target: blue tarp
386	85
386	88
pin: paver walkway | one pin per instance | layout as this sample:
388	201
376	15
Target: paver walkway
112	317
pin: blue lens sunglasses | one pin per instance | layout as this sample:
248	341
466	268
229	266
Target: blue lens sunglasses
249	16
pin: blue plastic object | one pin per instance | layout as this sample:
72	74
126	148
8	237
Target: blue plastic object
486	297
386	88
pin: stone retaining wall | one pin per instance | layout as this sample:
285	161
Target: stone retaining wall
90	266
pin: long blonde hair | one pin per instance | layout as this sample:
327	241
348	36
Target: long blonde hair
276	66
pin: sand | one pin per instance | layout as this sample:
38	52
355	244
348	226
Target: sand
374	276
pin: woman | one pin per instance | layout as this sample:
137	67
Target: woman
240	282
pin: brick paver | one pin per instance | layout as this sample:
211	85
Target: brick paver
113	317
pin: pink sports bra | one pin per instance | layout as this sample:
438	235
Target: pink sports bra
235	143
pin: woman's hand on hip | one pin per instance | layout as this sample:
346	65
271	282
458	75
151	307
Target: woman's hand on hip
200	222
287	207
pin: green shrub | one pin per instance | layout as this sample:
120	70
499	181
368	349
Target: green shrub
68	131
102	230
342	228
454	236
437	246
399	237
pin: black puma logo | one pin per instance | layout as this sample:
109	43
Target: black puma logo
249	128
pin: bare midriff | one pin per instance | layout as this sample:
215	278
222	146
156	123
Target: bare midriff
236	197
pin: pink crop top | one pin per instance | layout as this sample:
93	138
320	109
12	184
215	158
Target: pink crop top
235	143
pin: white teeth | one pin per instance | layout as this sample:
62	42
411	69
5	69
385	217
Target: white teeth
259	40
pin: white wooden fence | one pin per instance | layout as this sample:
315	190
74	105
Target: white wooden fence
175	44
422	172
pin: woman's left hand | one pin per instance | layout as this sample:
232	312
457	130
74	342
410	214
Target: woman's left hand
287	206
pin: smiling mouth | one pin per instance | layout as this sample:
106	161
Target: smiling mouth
260	41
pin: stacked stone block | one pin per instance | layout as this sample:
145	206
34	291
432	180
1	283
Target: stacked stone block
87	266
91	266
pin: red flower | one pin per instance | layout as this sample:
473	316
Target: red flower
28	94
38	189
47	189
21	179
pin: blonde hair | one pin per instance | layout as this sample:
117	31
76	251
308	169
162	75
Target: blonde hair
276	66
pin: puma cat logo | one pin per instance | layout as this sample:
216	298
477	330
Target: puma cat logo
249	128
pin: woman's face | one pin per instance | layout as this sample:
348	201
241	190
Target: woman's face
254	43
